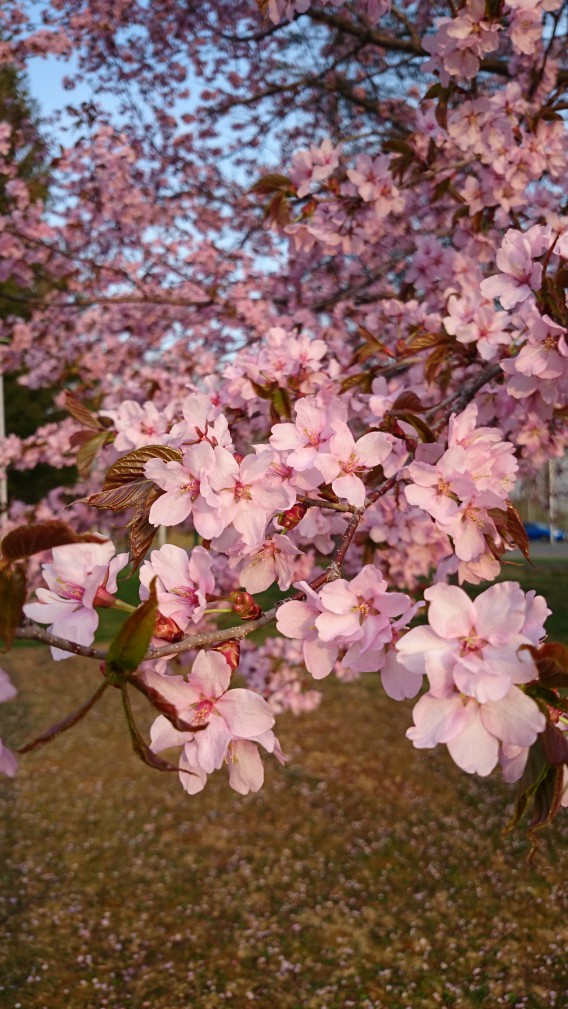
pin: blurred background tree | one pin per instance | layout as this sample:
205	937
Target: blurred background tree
26	409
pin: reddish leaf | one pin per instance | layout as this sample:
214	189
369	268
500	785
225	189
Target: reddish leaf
131	495
547	799
516	530
424	432
141	532
272	183
554	745
27	540
407	401
12	599
423	341
363	379
81	413
278	210
130	467
551	660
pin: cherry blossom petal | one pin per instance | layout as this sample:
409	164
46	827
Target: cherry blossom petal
451	613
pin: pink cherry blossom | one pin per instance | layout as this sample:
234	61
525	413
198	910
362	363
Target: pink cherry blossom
520	274
183	582
187	491
246	495
206	700
297	619
310	434
275	560
347	459
474	646
81	577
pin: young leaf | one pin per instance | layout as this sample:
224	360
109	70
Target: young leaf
81	413
130	645
27	540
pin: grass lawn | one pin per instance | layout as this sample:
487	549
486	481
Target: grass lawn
365	874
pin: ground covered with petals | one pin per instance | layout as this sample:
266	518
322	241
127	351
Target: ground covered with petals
365	874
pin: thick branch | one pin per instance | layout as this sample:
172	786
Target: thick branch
392	43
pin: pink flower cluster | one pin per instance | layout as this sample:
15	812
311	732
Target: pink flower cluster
355	617
228	724
471	653
461	42
321	447
474	475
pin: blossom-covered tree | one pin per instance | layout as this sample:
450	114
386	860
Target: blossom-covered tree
308	268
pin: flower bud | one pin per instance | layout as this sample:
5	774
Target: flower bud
231	651
291	518
244	605
167	629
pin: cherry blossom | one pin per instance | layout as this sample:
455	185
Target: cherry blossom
81	577
347	459
205	701
183	582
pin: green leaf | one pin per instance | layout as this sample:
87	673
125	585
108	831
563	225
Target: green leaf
281	404
34	539
12	598
130	645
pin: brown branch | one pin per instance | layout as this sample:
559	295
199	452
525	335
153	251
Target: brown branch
392	43
31	632
336	506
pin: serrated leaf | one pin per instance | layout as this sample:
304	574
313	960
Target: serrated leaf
34	539
374	345
130	467
139	745
129	646
81	413
141	532
424	341
12	599
546	802
436	91
264	391
516	530
400	147
131	495
434	363
278	210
